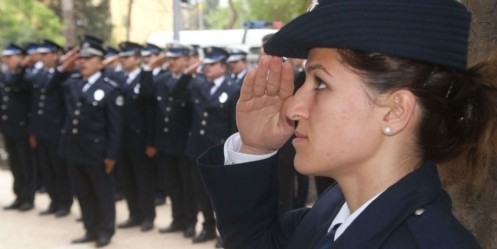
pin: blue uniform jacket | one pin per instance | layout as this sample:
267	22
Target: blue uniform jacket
173	112
14	104
47	107
137	129
93	127
414	213
213	118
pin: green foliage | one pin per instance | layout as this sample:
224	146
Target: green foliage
275	10
23	21
90	17
219	18
247	10
93	18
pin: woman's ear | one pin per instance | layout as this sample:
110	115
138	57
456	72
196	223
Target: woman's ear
401	106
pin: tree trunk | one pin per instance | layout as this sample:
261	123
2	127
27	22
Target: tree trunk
128	23
233	15
68	21
475	203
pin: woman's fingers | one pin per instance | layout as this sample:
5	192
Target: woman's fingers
287	81
259	88
247	86
274	76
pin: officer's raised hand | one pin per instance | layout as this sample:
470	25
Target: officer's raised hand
260	112
157	61
68	60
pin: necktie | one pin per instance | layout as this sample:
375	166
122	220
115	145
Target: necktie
208	88
328	239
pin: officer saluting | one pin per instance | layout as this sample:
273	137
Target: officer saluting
14	97
47	118
135	170
92	137
237	62
214	101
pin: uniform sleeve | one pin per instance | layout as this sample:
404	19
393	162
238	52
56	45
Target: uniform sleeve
113	110
245	199
58	79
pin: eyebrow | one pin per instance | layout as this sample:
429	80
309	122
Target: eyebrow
314	67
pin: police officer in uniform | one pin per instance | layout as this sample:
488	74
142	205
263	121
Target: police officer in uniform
173	121
47	119
152	52
92	137
135	170
14	106
237	62
214	100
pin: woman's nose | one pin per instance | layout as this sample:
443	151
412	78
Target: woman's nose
297	106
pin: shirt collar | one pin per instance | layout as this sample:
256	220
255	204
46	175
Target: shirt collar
345	218
92	79
133	74
219	81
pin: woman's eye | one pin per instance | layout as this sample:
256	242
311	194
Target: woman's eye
320	84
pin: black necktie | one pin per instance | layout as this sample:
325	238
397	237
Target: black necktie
328	239
208	88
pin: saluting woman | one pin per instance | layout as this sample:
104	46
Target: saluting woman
387	97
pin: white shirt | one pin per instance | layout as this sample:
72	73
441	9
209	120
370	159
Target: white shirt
132	75
91	80
217	84
232	155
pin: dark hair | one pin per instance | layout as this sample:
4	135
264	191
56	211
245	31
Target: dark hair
459	109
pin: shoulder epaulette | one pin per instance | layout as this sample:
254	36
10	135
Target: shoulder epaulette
111	82
75	75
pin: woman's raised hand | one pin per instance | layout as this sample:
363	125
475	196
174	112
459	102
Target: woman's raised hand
260	114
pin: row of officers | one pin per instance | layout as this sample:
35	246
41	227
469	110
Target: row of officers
89	111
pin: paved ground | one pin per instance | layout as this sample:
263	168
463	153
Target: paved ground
31	231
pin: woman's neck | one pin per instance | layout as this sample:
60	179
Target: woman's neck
370	180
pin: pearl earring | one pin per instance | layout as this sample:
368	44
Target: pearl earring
387	131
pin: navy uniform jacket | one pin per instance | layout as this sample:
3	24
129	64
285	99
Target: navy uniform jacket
93	126
14	104
47	107
173	112
414	213
213	115
136	121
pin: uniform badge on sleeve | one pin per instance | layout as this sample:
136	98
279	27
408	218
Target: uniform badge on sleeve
98	95
223	97
119	101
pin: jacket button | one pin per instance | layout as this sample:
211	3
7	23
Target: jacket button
5	117
204	122
166	130
75	122
75	131
76	112
79	104
159	98
4	107
5	98
166	119
206	114
43	97
202	132
419	211
168	109
170	99
40	112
